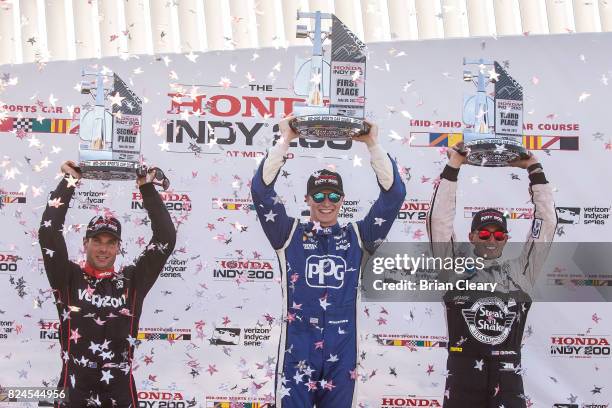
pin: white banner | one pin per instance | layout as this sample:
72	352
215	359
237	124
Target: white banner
210	325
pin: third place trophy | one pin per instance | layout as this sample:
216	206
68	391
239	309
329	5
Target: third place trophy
494	126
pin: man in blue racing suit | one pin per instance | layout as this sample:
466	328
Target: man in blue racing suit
320	265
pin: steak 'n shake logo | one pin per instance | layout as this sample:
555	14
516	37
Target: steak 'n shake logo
489	320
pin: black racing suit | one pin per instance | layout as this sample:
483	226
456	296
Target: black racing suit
485	329
99	317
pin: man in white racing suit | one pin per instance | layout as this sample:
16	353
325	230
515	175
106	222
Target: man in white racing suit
485	329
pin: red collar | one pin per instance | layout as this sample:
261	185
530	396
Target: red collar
98	274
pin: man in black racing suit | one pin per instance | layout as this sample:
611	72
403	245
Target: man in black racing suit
99	308
485	329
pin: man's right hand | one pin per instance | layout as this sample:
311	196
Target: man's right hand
286	132
457	155
71	168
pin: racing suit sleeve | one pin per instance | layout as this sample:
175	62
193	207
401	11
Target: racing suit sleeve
51	238
539	239
375	226
270	210
152	260
441	217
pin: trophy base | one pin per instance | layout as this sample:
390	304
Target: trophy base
494	152
108	169
328	127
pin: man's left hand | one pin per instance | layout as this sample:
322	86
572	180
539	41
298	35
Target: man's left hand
147	178
371	138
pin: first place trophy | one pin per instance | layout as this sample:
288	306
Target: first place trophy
342	79
493	135
110	136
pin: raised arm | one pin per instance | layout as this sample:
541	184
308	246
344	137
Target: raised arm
442	208
375	226
270	210
543	226
50	233
152	260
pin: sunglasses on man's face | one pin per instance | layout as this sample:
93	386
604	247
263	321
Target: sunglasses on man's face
320	197
486	234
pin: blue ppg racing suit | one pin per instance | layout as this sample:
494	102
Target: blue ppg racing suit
320	273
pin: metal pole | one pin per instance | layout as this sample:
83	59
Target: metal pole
399	20
109	28
268	32
585	16
373	22
605	15
427	19
135	25
7	40
455	24
213	14
161	27
83	13
505	17
558	17
531	17
30	39
242	34
477	18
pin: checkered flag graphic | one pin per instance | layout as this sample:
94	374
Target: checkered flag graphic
23	124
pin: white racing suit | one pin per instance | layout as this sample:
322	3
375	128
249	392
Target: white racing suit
485	329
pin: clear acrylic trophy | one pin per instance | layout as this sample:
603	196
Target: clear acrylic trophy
494	126
110	136
342	79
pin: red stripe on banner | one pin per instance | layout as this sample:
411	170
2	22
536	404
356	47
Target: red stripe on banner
551	141
531	142
6	125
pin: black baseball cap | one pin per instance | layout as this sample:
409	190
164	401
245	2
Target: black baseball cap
100	224
489	216
324	180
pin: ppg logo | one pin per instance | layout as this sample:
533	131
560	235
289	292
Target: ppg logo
325	271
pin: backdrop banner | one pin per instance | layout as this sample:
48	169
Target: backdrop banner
210	326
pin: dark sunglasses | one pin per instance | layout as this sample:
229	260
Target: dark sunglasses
486	234
320	197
